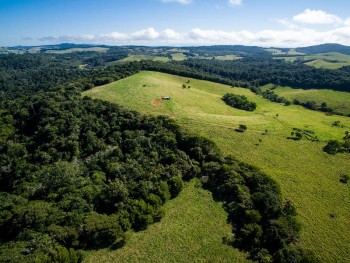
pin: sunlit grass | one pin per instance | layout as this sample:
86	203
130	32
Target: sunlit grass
307	176
191	231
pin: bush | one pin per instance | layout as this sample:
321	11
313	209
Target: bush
344	178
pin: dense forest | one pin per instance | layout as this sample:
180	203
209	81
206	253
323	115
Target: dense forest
77	173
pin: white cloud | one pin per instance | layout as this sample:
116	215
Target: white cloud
183	2
347	21
170	34
145	34
289	37
316	17
235	2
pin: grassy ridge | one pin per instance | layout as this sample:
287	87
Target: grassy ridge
307	176
192	229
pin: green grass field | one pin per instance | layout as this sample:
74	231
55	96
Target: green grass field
227	57
339	101
178	56
307	176
145	57
331	60
191	231
71	50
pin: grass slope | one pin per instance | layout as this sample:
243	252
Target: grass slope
307	176
331	60
191	231
339	101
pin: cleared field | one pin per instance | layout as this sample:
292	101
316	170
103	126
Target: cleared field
331	60
191	231
227	57
71	50
307	176
145	57
337	100
320	63
178	56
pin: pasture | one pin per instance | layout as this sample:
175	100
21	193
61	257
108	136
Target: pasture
192	228
330	60
307	176
339	101
145	57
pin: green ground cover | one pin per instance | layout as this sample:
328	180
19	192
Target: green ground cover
337	100
145	57
307	176
191	230
71	50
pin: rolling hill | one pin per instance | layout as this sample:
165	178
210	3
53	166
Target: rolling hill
307	176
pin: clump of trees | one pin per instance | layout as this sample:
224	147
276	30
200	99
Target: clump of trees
239	102
298	134
334	146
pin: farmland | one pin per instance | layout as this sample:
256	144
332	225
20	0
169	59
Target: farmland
307	176
330	60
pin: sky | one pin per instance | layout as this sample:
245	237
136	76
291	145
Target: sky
267	23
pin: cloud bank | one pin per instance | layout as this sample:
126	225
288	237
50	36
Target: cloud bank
293	34
150	36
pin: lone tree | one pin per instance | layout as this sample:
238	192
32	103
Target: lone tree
241	128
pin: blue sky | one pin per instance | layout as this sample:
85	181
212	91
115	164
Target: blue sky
284	23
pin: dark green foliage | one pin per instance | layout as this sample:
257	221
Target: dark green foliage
81	172
239	102
241	128
76	173
297	134
272	96
344	178
263	224
334	146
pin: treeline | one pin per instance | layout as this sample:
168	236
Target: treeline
249	72
270	95
28	73
20	73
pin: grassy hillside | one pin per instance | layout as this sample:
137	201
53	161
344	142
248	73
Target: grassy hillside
307	176
339	101
330	60
192	228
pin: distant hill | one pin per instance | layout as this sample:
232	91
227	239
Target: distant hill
227	49
325	48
